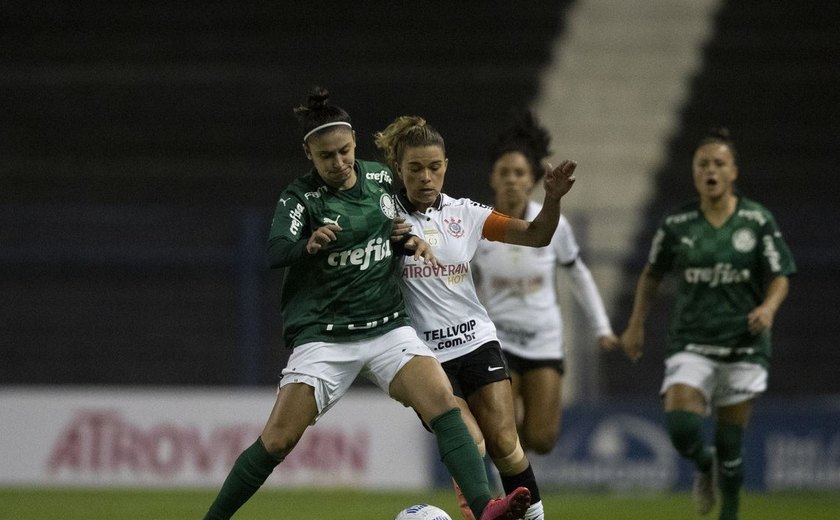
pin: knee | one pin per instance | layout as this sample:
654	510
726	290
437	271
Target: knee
541	442
540	439
684	429
278	443
542	446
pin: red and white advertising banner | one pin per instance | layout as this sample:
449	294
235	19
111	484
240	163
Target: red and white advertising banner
190	438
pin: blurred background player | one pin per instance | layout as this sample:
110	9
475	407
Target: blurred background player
518	286
442	301
733	267
344	316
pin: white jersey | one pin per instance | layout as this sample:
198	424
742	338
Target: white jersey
441	301
518	287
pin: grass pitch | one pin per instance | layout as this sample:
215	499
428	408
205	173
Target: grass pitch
271	504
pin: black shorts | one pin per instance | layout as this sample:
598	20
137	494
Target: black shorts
520	365
482	366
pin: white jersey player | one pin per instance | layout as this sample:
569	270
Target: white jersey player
518	287
442	302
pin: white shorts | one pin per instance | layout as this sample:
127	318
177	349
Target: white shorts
722	384
330	368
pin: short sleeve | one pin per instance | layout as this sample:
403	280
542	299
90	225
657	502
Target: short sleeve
661	255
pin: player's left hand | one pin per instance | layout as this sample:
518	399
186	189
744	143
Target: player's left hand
759	320
558	181
421	249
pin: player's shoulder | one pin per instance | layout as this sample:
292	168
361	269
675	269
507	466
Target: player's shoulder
750	204
374	171
681	213
751	210
464	203
308	183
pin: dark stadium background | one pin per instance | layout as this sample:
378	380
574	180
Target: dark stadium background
143	146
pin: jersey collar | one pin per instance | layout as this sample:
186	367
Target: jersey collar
402	198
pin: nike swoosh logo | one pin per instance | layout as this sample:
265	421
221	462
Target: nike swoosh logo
493	369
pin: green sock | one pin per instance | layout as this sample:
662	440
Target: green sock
250	470
686	432
460	455
729	439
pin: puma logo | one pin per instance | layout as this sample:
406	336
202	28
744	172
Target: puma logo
328	220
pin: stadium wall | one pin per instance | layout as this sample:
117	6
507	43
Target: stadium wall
155	438
118	437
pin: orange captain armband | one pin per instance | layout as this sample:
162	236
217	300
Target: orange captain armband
495	226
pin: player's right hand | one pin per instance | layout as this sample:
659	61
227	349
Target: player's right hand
632	341
321	237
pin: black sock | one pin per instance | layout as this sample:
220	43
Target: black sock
525	479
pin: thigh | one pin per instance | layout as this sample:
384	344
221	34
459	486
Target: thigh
492	407
736	414
329	368
541	391
294	410
688	383
685	398
386	355
422	384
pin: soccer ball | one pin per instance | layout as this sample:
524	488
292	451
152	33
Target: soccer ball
422	512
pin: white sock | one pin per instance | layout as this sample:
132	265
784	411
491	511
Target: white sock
535	512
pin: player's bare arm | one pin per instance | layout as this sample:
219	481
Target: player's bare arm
633	337
761	318
538	232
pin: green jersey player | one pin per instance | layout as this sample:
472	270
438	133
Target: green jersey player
344	316
338	295
733	268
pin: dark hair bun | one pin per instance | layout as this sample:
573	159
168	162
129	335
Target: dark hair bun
720	132
318	99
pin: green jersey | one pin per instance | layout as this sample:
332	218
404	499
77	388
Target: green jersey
349	290
723	275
